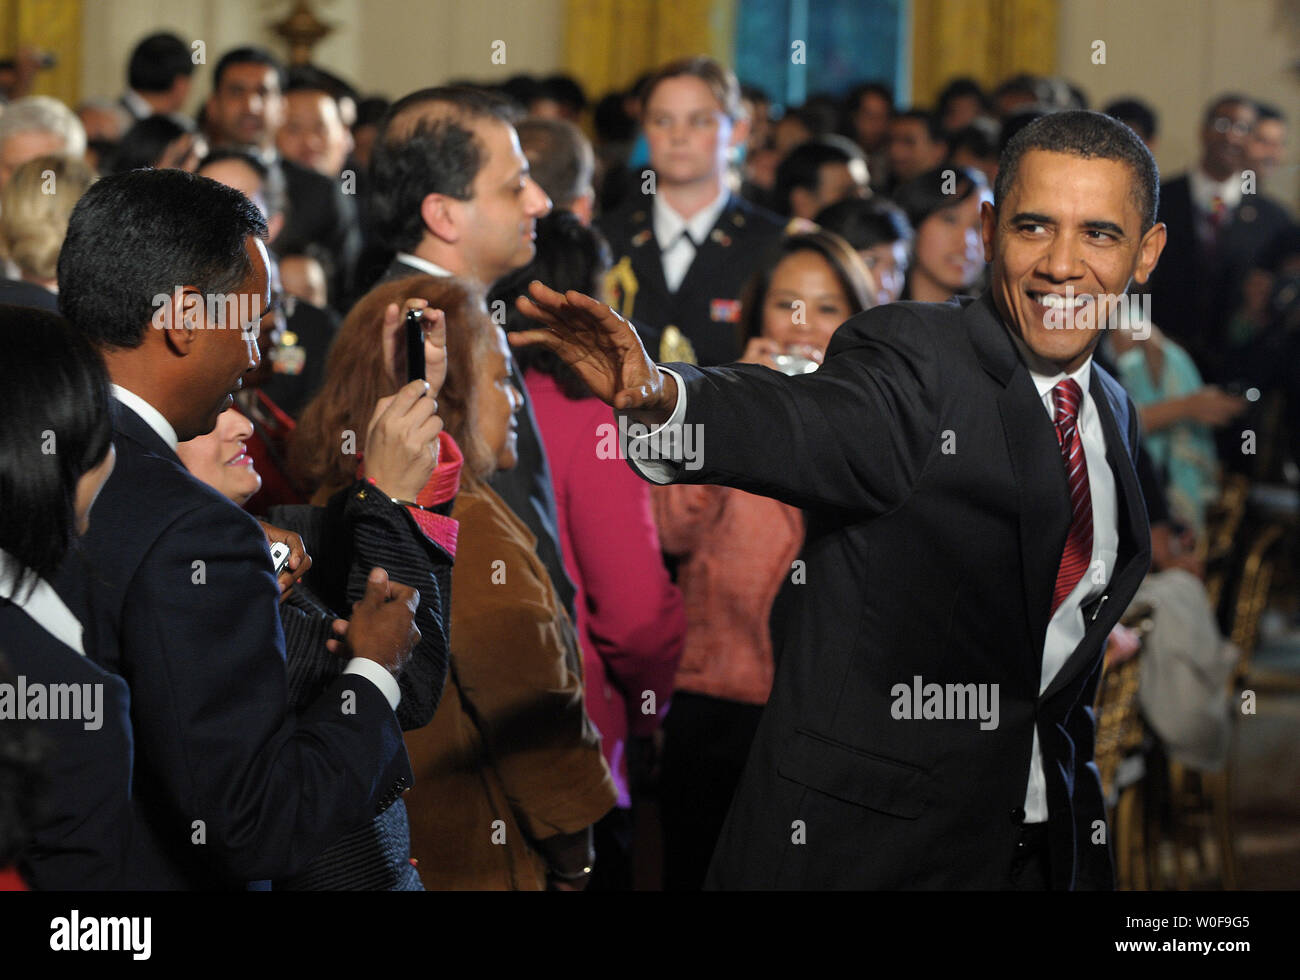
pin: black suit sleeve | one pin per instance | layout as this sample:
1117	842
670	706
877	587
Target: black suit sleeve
208	681
854	435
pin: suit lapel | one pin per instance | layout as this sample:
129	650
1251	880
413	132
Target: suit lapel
1044	497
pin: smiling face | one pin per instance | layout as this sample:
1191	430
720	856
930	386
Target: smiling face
687	130
220	460
1068	224
949	251
496	401
497	226
313	134
805	302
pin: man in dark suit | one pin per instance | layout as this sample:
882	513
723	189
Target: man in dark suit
975	530
1218	226
246	109
158	78
684	251
453	196
231	786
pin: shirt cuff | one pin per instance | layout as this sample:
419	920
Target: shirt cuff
659	470
377	675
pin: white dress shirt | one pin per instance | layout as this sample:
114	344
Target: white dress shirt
424	265
1066	627
1204	189
153	418
676	252
42	604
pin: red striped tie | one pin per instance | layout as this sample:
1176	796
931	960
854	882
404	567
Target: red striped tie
1078	545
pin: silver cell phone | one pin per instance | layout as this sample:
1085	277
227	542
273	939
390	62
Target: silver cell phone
279	557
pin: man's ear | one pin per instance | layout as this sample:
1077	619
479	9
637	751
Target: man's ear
988	228
1153	243
180	319
440	216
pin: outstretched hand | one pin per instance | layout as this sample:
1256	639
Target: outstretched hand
602	348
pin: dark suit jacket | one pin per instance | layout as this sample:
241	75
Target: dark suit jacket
19	292
706	306
83	828
1193	295
526	488
321	221
919	562
185	609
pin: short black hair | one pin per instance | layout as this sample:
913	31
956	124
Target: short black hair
1226	98
1137	115
933	128
570	255
371	111
143	144
1267	110
960	88
1091	135
563	89
979	137
859	92
156	61
137	235
866	223
54	427
248	55
802	168
275	192
441	155
922	196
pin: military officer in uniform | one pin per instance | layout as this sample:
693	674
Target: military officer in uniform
686	246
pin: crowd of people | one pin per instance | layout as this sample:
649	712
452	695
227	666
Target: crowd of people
492	642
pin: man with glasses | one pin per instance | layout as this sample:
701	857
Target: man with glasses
1218	224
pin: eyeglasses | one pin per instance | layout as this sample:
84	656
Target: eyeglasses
1224	124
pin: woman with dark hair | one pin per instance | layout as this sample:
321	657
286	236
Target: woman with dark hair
509	777
629	619
880	233
156	141
56	452
943	206
735	552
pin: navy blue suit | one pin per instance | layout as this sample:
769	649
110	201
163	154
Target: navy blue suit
82	832
231	786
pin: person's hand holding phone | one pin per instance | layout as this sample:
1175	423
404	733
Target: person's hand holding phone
433	324
299	560
402	442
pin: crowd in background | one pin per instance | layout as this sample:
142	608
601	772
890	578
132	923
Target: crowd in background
588	645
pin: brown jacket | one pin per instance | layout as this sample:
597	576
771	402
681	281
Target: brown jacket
510	756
